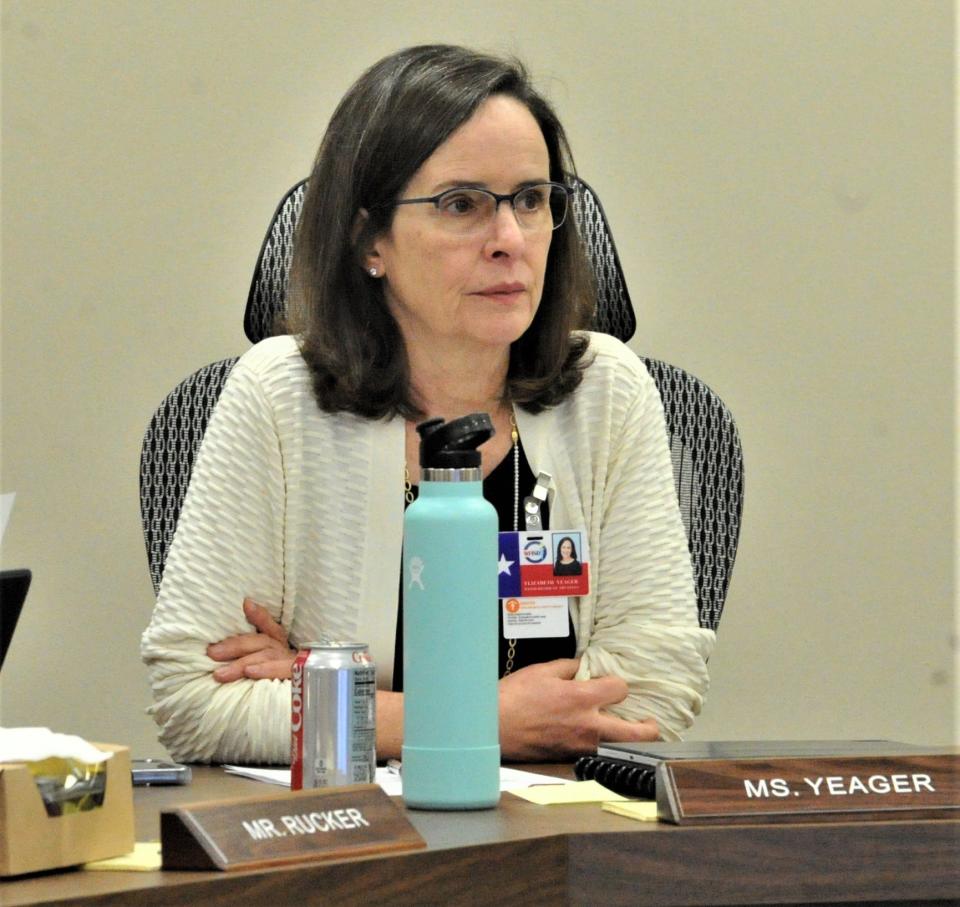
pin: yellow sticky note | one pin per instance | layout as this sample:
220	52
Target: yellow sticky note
145	857
576	792
641	810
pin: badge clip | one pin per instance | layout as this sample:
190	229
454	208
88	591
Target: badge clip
531	504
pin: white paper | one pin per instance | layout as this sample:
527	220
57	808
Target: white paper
390	781
270	775
514	777
6	507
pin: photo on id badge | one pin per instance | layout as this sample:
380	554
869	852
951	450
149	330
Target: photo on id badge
566	548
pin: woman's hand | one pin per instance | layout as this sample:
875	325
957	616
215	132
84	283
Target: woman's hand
545	713
266	653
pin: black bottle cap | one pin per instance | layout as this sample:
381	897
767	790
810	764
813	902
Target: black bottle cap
453	444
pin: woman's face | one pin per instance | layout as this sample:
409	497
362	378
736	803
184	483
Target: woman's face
449	291
566	550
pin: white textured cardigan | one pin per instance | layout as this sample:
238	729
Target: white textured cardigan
303	512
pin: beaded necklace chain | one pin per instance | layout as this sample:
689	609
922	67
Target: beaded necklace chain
515	437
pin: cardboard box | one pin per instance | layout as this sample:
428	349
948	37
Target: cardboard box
31	841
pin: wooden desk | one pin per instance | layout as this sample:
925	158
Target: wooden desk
525	854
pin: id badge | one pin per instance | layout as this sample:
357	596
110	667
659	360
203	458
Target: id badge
543	564
535	618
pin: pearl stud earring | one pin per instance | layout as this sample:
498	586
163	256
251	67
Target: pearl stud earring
373	272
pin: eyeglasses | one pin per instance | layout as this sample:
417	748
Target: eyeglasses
538	208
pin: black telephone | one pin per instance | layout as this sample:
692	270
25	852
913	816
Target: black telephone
620	776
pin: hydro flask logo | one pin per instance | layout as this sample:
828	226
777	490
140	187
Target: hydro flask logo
416	569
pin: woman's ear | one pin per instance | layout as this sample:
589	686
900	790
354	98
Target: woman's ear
365	245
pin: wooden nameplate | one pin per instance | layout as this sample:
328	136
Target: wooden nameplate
822	788
321	824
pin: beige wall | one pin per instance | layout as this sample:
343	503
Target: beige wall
779	179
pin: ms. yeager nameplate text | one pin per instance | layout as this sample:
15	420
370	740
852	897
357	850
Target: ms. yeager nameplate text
326	824
792	789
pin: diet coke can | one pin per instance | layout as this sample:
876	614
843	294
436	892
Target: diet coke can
333	716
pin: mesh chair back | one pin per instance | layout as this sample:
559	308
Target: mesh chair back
704	443
169	449
708	472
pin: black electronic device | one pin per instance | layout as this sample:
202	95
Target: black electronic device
626	778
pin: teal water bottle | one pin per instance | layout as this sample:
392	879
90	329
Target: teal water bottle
451	743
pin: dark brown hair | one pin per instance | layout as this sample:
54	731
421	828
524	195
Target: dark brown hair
389	122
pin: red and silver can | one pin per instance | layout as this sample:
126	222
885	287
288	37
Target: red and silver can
333	716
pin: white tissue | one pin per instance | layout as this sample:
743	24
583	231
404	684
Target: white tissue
31	744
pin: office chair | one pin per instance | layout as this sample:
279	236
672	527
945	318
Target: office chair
704	442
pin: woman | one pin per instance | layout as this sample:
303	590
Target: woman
567	563
435	273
